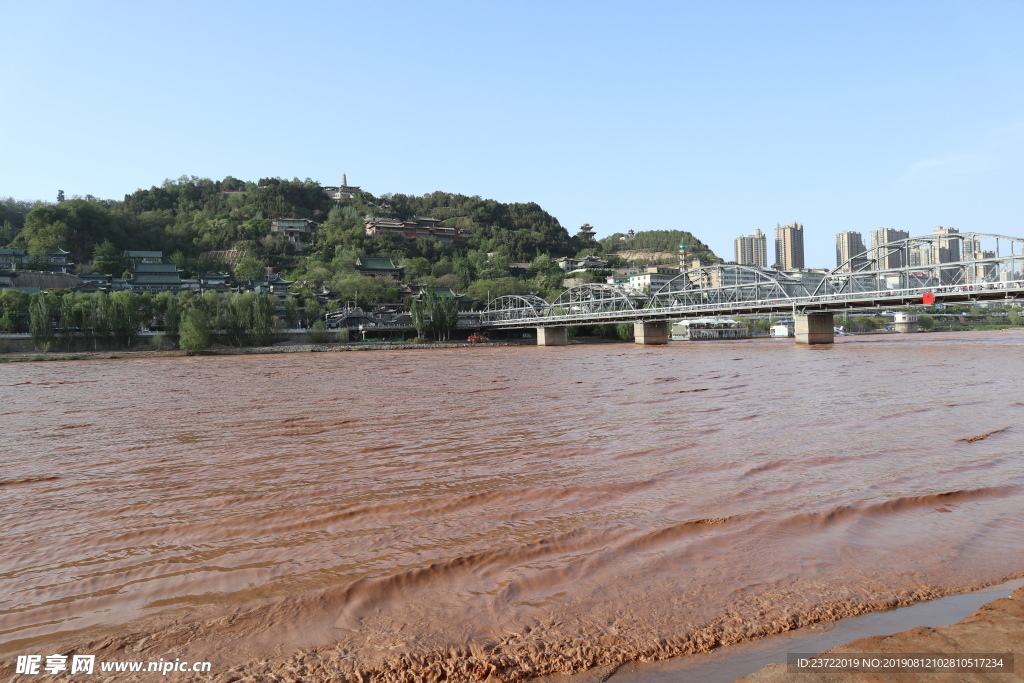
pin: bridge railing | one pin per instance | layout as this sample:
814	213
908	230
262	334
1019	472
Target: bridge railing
715	306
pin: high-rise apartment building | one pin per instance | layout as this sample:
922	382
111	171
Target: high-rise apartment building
850	250
947	248
920	255
789	246
888	257
752	250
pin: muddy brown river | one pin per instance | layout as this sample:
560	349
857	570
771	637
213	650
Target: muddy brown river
512	511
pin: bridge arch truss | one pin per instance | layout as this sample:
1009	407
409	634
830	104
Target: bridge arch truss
957	261
725	285
595	299
514	308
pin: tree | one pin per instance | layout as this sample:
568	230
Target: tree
312	310
420	319
263	307
318	333
434	314
106	258
14	301
127	313
166	311
9	321
194	332
40	321
239	318
7	232
100	318
445	315
70	318
291	312
249	268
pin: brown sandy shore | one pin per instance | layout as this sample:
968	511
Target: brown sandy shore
996	627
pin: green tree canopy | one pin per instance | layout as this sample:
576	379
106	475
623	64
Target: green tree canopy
195	332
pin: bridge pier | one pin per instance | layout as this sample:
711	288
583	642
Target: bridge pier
552	336
650	333
814	328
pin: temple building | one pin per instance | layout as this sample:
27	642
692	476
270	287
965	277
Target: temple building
418	227
342	191
379	267
294	229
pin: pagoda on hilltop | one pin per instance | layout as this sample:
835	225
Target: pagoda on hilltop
586	232
342	191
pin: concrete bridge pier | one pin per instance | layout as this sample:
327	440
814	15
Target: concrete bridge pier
552	336
814	328
650	333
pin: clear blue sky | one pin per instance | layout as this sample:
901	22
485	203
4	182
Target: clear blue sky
713	117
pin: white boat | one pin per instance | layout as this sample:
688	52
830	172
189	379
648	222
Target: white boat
708	328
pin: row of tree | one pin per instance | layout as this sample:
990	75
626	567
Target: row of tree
434	315
62	317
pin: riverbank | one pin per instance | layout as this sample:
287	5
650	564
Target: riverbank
220	350
995	627
729	664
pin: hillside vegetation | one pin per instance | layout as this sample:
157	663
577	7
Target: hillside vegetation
657	246
195	220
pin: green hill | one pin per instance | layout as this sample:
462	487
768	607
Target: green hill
195	220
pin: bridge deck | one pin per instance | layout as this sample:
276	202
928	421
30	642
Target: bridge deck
1009	291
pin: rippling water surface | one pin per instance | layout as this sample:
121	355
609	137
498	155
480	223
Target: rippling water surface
515	510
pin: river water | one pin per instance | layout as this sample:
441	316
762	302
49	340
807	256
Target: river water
517	511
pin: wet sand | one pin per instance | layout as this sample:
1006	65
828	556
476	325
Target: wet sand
996	627
504	512
729	664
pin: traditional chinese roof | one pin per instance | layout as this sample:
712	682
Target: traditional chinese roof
374	263
156	279
33	281
155	268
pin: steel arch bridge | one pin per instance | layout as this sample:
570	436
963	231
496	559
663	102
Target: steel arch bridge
724	284
595	298
514	308
958	267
